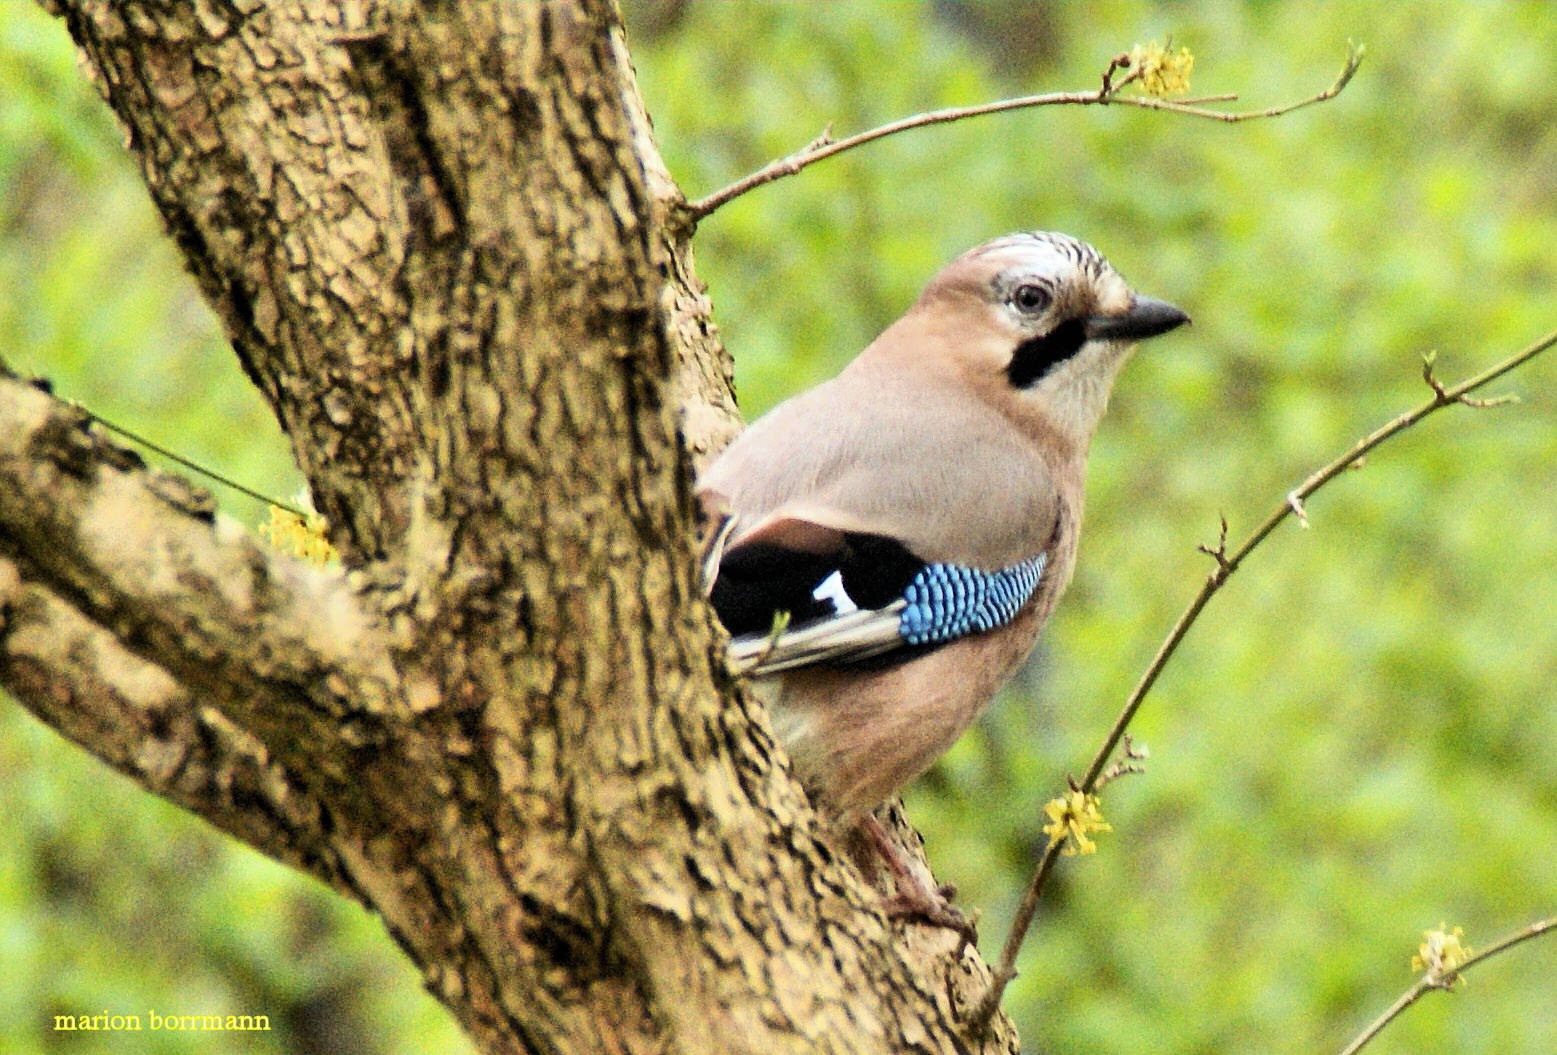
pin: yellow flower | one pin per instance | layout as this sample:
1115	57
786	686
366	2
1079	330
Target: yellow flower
1072	817
1162	72
1441	954
304	537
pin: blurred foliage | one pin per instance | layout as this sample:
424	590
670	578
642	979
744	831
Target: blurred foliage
1355	743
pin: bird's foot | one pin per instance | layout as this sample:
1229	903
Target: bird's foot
920	904
916	901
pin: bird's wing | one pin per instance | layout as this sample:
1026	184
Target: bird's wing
867	597
878	528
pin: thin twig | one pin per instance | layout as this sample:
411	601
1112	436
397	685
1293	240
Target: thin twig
775	634
1292	505
192	466
1432	980
1200	100
1106	94
1407	998
1119	62
1129	763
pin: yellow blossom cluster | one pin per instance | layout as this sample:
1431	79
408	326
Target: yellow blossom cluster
1162	72
304	537
1441	953
1072	818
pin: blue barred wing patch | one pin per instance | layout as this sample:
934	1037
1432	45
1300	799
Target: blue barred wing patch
948	601
941	603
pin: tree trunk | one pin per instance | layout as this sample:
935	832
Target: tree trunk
444	247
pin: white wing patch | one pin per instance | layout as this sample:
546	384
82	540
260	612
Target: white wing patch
831	590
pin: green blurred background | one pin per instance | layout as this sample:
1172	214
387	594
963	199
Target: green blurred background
1357	741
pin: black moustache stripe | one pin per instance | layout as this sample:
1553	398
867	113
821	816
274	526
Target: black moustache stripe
1036	356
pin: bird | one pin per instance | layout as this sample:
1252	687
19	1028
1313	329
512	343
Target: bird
886	546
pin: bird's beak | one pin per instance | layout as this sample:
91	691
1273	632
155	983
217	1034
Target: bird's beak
1146	318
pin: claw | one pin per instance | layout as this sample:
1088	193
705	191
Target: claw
933	909
916	901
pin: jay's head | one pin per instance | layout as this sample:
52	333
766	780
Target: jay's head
1039	323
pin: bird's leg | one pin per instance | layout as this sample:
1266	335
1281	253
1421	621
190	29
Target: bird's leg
915	899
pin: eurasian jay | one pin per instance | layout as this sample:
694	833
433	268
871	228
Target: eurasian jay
917	516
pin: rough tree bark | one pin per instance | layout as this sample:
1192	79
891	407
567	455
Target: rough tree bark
444	247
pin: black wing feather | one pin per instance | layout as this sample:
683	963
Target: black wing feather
758	580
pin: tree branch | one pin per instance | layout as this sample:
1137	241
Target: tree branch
77	677
1435	980
1226	565
824	146
281	643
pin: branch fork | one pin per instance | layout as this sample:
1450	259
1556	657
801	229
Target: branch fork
1107	92
1224	567
1445	397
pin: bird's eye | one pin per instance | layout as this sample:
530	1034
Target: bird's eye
1030	299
